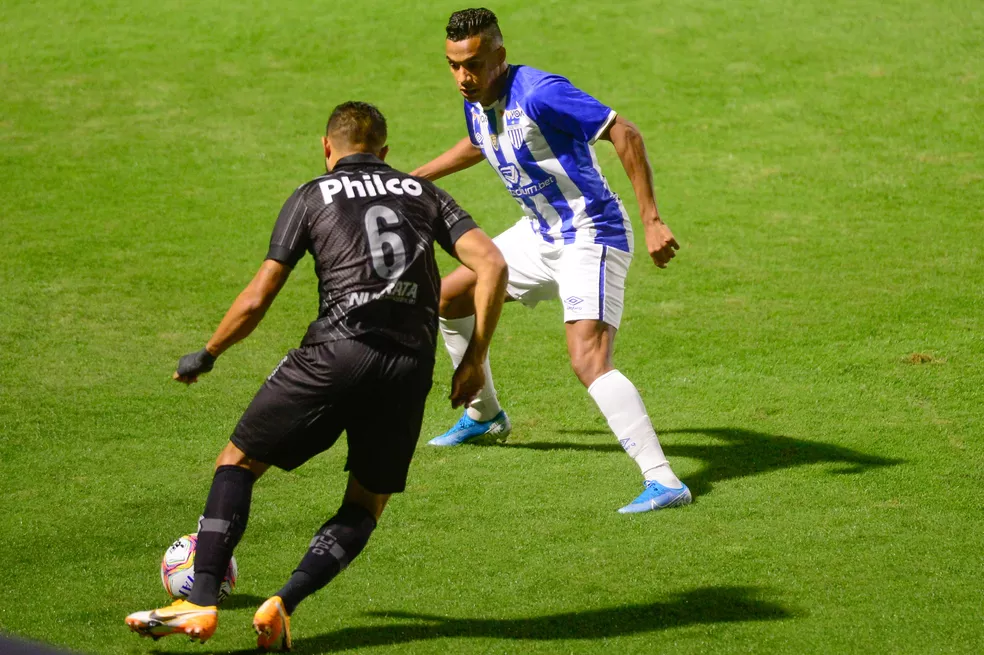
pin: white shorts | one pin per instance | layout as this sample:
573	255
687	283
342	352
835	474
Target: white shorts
588	277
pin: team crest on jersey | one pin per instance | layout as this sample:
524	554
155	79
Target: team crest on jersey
510	173
513	128
494	138
516	138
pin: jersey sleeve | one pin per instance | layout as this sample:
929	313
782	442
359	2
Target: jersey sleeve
472	126
290	238
452	222
563	106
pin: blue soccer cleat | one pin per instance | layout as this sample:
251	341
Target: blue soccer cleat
657	496
468	429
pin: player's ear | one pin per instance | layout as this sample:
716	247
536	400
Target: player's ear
383	152
326	144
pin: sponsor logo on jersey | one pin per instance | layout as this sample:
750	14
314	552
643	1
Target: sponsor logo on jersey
533	189
510	173
368	186
399	291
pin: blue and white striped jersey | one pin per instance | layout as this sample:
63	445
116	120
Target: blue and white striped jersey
539	138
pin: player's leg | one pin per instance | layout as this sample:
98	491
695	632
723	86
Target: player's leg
219	530
529	282
592	280
286	423
223	520
274	430
337	542
381	446
457	321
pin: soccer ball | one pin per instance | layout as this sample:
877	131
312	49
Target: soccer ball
178	569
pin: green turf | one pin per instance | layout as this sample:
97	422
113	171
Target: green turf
821	164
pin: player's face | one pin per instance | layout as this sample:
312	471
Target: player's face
476	65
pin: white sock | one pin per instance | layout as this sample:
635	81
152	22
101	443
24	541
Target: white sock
457	333
620	402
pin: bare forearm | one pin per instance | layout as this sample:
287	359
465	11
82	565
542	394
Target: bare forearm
490	293
461	156
631	150
238	323
632	153
249	307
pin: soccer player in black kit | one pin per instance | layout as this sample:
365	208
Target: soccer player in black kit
364	366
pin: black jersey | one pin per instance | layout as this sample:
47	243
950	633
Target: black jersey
371	230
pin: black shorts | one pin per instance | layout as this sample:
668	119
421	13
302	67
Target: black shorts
371	388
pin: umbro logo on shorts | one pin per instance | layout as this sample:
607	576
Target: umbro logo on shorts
573	301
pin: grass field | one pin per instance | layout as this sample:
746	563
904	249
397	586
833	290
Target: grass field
812	358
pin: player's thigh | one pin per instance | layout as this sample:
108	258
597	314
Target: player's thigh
458	293
384	419
531	278
591	278
298	412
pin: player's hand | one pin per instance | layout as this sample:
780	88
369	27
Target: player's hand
194	364
468	380
660	242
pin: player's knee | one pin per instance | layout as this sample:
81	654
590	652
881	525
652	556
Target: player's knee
231	455
456	306
447	306
357	495
589	365
457	294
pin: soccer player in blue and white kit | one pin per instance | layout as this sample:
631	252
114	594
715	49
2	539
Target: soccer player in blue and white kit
574	241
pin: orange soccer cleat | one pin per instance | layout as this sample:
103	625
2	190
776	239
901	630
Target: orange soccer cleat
180	617
272	625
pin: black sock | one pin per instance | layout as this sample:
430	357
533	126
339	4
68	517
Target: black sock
220	529
336	544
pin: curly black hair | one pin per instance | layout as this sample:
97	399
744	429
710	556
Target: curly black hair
358	124
473	22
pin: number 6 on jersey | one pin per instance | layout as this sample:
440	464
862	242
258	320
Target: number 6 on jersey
390	262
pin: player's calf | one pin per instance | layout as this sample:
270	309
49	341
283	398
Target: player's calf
336	544
219	530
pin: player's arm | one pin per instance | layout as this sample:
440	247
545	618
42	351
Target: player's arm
288	243
476	250
462	155
631	150
242	318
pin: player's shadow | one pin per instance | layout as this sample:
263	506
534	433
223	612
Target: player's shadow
700	606
742	453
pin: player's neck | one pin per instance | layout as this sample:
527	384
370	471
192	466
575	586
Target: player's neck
497	87
337	156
